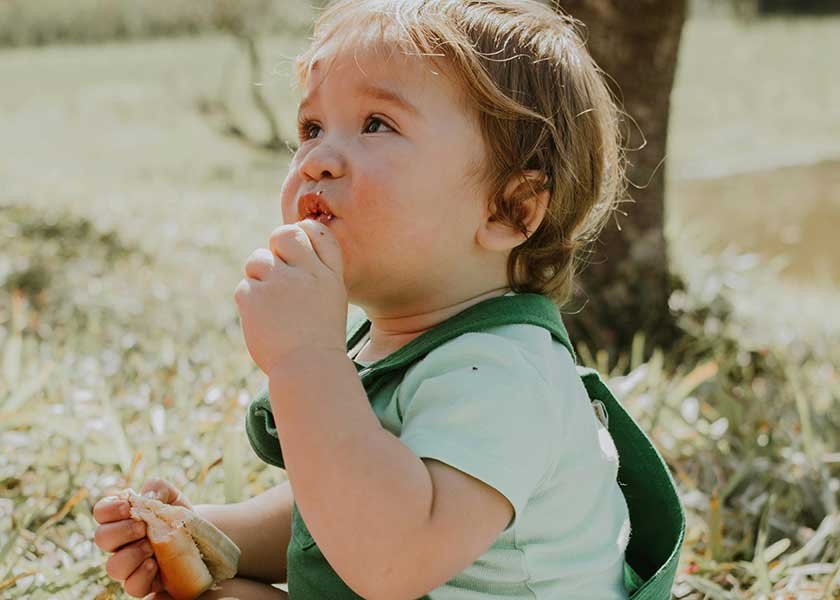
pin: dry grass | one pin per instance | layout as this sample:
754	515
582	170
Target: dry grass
109	378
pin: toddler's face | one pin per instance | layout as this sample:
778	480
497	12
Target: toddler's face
395	176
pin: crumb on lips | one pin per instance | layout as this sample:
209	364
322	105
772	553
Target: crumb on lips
324	218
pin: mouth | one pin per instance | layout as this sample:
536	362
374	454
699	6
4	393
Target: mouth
313	206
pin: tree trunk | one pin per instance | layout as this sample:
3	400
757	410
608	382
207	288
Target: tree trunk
625	284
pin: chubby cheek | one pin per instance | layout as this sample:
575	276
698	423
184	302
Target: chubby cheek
374	234
400	247
386	214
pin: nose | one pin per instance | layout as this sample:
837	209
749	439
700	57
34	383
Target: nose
322	161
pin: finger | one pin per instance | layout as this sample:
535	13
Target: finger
157	586
110	509
165	492
291	244
126	560
260	263
244	289
158	593
111	536
154	488
139	583
325	244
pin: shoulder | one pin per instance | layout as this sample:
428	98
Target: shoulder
530	347
521	352
484	399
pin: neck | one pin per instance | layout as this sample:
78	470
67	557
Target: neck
390	333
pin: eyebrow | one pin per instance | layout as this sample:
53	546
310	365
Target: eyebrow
377	92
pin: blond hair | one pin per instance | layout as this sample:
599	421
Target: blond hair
542	105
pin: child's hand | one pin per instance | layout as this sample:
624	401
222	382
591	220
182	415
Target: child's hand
293	296
132	551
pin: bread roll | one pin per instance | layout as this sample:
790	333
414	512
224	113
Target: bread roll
193	555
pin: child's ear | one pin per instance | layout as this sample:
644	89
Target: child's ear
494	235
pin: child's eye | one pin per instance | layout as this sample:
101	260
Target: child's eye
376	120
305	128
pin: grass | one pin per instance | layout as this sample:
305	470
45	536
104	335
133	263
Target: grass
109	379
25	23
121	358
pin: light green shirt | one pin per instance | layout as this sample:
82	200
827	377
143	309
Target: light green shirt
507	407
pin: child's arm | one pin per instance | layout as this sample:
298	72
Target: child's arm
390	524
261	527
368	500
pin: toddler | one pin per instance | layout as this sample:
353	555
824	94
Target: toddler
455	157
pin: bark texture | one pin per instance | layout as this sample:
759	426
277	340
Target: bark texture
626	284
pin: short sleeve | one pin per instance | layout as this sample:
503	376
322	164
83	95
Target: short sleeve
478	405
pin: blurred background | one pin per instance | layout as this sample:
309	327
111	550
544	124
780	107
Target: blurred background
142	149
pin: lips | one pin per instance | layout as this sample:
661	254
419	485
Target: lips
314	206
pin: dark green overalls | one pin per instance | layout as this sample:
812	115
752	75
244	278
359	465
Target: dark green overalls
656	514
